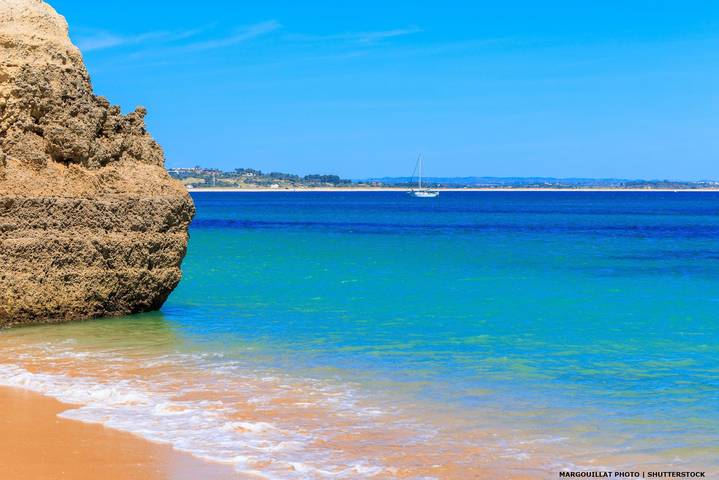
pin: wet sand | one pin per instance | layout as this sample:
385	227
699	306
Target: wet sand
257	422
38	445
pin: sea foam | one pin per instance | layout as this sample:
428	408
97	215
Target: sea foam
200	427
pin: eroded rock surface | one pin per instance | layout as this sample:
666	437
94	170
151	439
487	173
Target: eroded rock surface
91	224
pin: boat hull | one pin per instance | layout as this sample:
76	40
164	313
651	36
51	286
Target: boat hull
423	193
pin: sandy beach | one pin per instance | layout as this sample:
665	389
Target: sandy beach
38	445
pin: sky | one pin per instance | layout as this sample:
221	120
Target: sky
610	89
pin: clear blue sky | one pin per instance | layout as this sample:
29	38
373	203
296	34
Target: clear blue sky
610	88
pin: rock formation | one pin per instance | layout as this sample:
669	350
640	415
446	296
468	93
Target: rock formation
91	224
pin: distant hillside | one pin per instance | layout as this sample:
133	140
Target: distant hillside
542	182
504	181
251	178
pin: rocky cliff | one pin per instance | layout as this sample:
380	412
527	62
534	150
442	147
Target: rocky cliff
90	222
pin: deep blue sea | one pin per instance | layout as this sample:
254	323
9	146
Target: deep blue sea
539	330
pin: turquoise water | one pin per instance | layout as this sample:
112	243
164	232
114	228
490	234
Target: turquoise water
587	321
592	309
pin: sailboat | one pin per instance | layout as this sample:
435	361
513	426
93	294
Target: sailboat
421	192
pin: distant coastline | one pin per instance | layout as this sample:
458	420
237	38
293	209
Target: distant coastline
248	179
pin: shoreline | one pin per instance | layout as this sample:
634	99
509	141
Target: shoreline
38	444
401	190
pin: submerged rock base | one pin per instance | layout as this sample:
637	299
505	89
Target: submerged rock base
65	259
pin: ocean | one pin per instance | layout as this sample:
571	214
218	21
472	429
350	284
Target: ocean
376	335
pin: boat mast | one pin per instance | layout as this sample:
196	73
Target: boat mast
420	171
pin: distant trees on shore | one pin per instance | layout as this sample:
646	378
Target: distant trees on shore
249	176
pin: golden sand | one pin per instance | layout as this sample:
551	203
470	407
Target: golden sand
36	444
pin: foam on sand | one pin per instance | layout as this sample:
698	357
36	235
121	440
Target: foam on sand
262	422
